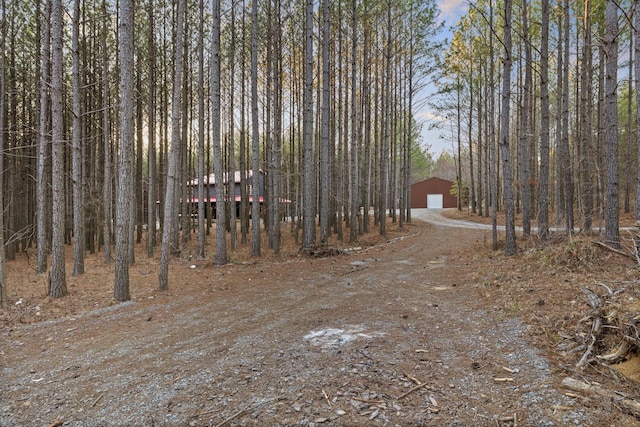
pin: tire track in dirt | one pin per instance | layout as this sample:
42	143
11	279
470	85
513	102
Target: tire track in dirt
335	341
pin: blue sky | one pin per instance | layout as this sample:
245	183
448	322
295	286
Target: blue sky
450	13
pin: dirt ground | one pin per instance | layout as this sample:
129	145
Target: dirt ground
427	326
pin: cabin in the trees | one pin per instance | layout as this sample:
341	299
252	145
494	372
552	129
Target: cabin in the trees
210	194
433	193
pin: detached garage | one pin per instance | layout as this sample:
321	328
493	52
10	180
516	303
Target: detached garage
433	193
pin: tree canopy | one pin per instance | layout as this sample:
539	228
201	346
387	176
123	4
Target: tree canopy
109	116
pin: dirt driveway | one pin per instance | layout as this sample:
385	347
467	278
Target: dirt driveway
391	334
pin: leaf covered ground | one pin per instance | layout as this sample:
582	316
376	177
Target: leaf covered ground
426	326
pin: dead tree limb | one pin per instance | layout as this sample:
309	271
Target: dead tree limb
612	249
628	405
411	390
595	302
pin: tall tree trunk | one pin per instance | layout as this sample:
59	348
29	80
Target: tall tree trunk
43	142
170	218
184	191
344	142
4	299
488	124
151	161
57	277
564	149
612	227
307	143
244	197
293	180
267	153
560	196
232	131
627	158
636	29
11	163
324	139
276	155
493	161
138	179
525	130
255	137
201	134
386	136
163	138
586	95
510	245
600	163
269	205
221	223
393	152
377	129
458	143
470	137
340	154
366	104
404	123
480	197
543	198
107	203
124	195
353	147
76	141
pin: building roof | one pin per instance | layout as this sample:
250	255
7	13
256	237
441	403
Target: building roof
213	199
211	178
434	178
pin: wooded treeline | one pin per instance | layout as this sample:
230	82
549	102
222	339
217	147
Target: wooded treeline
108	109
545	99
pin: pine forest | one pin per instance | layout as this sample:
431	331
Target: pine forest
154	123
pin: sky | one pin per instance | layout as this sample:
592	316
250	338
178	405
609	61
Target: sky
450	13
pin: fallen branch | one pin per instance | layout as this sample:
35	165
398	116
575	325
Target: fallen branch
612	249
353	270
211	411
513	419
411	390
326	396
240	412
95	402
354	249
562	407
605	315
595	332
413	379
595	302
391	241
619	353
609	291
630	406
635	236
232	417
372	402
593	299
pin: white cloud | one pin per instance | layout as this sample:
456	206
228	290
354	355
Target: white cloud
452	10
428	117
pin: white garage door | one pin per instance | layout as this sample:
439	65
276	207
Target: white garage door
434	201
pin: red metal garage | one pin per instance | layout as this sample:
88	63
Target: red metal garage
433	193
